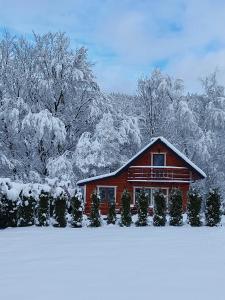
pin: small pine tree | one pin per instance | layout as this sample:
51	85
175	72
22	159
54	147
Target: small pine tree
95	219
126	219
43	209
213	208
51	205
111	218
77	210
59	214
26	210
159	218
194	208
142	209
175	208
3	211
12	213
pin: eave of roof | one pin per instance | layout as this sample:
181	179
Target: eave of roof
153	141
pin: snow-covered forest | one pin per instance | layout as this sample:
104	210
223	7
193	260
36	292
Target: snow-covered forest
56	122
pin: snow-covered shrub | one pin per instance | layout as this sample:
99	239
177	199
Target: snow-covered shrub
142	209
194	207
4	215
175	208
95	219
126	219
26	206
159	218
77	210
213	208
9	194
59	215
111	217
12	213
43	209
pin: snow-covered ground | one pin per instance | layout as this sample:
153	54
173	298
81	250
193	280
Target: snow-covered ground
112	263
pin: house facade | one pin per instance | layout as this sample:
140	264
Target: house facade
159	165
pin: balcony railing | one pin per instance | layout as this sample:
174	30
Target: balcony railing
159	174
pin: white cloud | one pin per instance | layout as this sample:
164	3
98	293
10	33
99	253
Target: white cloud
192	68
138	33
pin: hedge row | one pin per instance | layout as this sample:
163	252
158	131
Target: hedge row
212	211
44	211
49	210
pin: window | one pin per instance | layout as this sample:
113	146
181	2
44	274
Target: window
83	193
158	159
107	194
149	193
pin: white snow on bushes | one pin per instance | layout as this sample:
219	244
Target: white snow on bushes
13	189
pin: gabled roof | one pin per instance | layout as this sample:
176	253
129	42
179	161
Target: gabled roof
153	141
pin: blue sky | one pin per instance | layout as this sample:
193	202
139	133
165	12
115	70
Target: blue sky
128	38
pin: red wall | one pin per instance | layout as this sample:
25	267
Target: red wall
120	181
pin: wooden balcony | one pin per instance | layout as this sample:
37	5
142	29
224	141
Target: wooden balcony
159	174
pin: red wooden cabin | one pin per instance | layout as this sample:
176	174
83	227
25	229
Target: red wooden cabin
158	165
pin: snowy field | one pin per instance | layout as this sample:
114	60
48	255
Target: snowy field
112	263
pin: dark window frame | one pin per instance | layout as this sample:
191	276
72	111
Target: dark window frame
107	195
159	154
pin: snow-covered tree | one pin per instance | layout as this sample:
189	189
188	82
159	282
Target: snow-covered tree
12	213
4	215
213	208
47	94
105	149
26	205
111	217
126	218
12	149
156	93
43	136
77	210
175	208
142	203
213	122
194	207
208	109
60	206
95	219
159	218
43	209
61	167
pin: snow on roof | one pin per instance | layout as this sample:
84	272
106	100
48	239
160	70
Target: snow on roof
184	157
153	140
